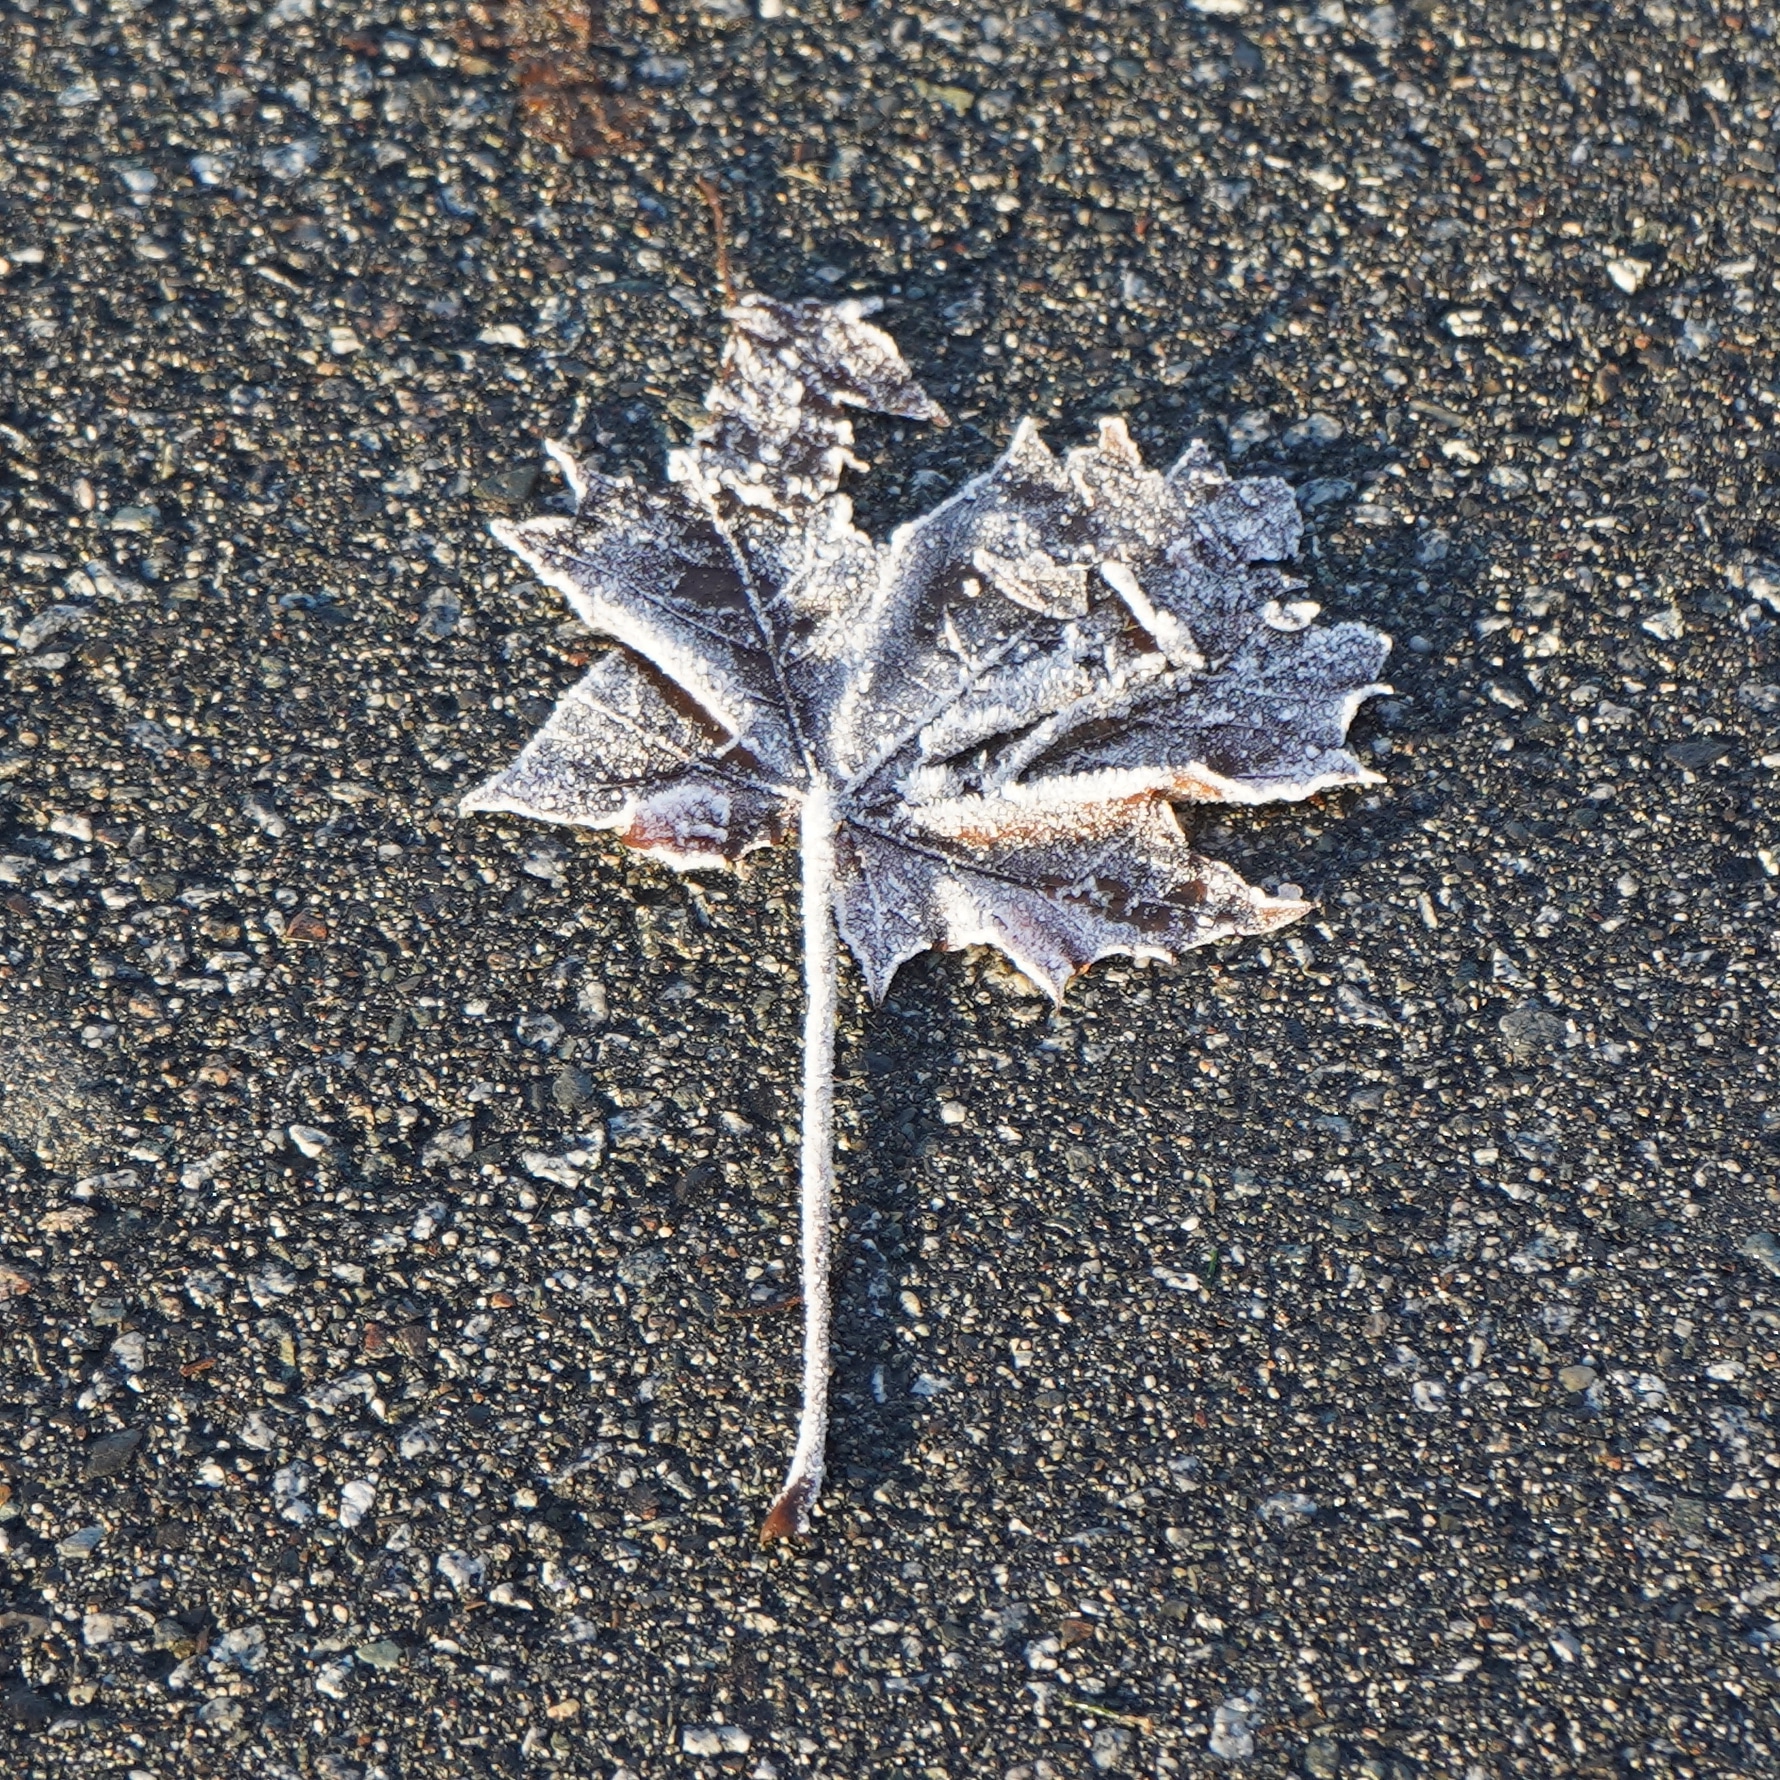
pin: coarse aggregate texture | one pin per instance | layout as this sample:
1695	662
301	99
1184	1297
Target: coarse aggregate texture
1346	1355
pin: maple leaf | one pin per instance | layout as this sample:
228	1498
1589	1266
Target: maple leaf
978	730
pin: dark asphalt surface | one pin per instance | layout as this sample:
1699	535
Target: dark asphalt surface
1351	1355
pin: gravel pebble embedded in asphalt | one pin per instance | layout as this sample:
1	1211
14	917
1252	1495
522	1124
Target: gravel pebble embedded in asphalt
398	1211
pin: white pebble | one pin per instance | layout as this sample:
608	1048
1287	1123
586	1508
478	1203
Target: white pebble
311	1140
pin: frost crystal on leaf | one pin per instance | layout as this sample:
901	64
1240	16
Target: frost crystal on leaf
980	728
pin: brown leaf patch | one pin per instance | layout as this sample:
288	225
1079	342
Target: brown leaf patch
550	49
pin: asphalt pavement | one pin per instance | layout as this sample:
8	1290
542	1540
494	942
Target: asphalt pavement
1349	1354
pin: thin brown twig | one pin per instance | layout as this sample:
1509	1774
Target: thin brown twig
790	1303
714	198
1137	1721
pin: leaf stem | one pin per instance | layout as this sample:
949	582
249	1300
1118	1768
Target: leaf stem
803	1481
714	199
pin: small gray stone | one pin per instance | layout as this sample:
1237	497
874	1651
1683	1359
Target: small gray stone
332	1678
357	1498
1232	1733
462	1570
508	488
1695	757
441	615
1291	1508
539	1030
1763	1248
35	632
1110	1749
642	1267
572	1089
715	1739
110	1453
1249	428
452	1143
291	160
1323	490
242	1647
1577	1378
567	1169
311	1140
50	1105
1688	1516
1533	1028
174	1635
1314	429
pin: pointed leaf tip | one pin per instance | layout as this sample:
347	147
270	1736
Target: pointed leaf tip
574	472
482	800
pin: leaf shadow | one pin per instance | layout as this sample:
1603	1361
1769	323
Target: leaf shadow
896	1059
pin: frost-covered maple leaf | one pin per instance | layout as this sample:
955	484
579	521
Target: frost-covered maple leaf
978	730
